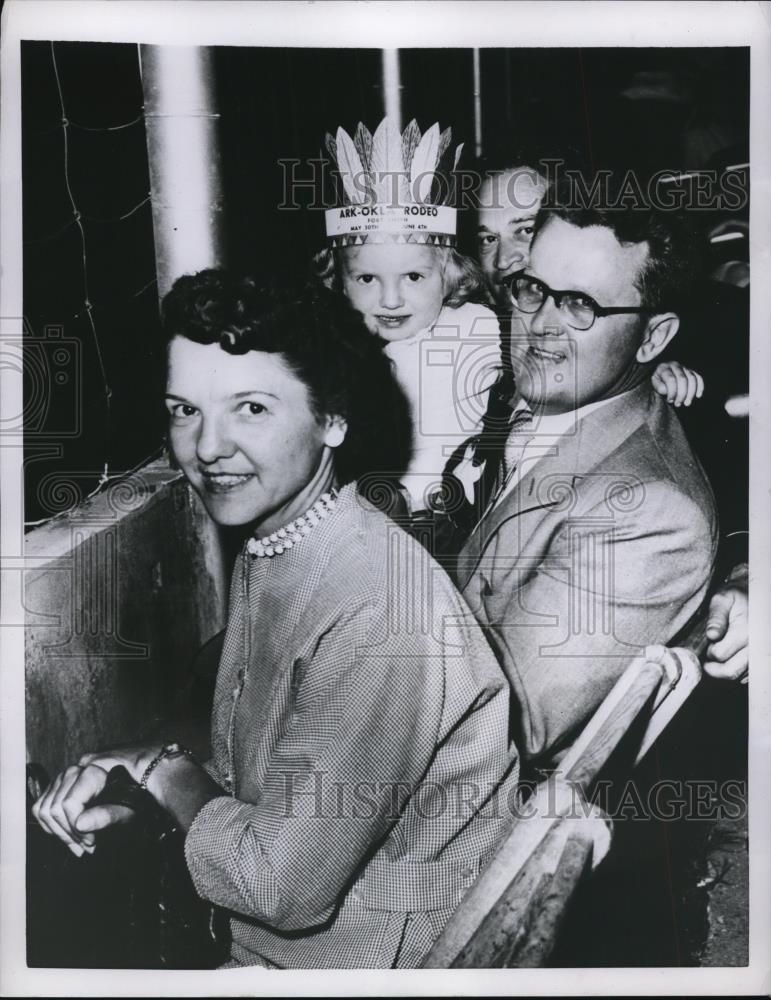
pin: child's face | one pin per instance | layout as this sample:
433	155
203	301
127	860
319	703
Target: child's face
397	287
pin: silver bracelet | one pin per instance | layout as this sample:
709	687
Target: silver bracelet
167	750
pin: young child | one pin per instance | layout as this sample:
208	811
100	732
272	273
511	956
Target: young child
444	348
391	251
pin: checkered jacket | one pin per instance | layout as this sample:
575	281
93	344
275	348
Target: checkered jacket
360	733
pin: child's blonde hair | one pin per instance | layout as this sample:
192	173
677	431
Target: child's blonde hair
462	278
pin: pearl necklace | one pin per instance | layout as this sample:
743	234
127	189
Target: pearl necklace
286	538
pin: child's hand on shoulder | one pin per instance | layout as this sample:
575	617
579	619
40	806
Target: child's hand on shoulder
679	384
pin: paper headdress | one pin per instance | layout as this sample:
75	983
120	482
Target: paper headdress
394	188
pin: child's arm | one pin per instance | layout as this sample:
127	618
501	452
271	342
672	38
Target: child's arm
679	384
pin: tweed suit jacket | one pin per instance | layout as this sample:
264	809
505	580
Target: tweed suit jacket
605	546
360	734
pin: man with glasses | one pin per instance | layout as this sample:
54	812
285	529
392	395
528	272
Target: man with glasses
596	530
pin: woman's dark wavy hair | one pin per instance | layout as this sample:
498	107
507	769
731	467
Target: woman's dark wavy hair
323	341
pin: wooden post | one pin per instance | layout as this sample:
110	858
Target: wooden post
477	103
186	192
184	159
392	87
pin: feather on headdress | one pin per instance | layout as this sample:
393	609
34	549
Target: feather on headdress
394	187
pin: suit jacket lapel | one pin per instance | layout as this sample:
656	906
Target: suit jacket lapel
591	440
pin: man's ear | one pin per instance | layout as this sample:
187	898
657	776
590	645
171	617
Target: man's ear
337	428
660	330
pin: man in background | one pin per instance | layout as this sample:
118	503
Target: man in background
509	200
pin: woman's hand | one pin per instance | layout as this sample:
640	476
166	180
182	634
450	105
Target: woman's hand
680	385
179	785
62	810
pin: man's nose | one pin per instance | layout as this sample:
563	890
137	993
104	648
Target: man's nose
214	441
546	321
391	296
511	255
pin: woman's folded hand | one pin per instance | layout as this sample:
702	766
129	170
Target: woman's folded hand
62	810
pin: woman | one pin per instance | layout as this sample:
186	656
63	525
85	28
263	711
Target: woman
360	762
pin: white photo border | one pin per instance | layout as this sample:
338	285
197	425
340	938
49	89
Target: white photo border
377	25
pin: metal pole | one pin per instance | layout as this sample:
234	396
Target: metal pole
477	105
392	88
184	159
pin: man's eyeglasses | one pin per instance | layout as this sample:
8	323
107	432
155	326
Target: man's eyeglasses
579	309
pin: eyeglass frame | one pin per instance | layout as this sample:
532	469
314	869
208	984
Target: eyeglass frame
559	294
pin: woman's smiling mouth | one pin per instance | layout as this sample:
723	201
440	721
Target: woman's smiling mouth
224	482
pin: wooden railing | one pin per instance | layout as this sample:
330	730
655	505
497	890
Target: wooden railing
511	916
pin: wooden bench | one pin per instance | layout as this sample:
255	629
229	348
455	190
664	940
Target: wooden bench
511	916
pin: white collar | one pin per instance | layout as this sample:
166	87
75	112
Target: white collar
556	424
548	429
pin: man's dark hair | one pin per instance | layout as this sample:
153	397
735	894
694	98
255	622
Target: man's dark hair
323	341
529	149
667	279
